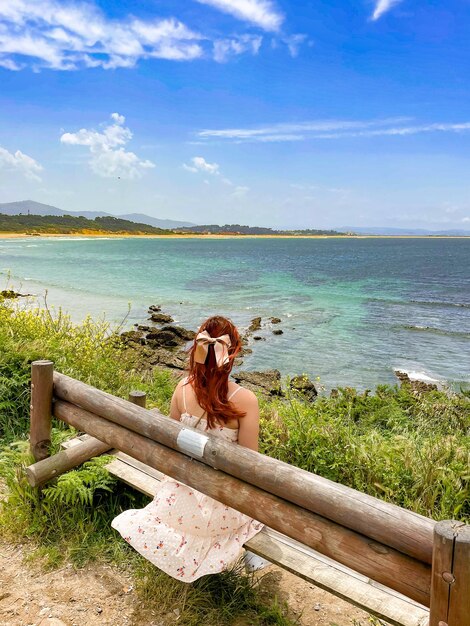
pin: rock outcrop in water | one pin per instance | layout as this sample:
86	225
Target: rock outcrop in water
9	294
417	386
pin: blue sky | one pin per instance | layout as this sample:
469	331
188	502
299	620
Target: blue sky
276	113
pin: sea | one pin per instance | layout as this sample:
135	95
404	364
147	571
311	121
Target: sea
353	310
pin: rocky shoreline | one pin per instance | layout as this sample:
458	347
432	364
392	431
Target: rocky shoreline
160	342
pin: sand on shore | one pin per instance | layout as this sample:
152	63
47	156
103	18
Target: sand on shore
218	236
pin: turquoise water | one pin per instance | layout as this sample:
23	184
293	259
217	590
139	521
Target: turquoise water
352	309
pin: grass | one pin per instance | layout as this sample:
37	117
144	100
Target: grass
409	449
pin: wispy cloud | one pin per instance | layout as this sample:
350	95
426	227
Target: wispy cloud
108	157
72	35
292	131
329	129
261	13
20	162
382	7
68	35
226	48
199	165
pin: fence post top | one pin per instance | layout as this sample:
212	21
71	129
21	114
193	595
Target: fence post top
42	362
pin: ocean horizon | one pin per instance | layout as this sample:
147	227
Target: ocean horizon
352	310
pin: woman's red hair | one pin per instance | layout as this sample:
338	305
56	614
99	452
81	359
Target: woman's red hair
210	382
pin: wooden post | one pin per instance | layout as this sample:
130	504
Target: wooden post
377	561
450	581
139	398
41	408
39	473
384	522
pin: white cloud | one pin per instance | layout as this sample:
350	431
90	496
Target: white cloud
293	43
240	191
68	35
20	162
225	48
465	220
109	159
199	164
261	13
330	129
382	7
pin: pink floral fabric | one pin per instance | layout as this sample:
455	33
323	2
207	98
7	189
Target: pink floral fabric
184	532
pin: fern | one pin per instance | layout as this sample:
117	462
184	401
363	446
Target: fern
80	486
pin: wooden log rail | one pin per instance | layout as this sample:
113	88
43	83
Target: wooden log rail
390	545
386	523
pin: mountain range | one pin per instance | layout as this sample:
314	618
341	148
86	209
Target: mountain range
38	208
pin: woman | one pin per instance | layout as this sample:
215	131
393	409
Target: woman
182	531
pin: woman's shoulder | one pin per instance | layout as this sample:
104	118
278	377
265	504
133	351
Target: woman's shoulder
242	394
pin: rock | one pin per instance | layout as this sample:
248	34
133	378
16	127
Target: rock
167	358
155	308
179	331
131	336
255	324
163	338
161	318
258	338
278	331
267	382
275	320
416	386
143	327
304	386
169	336
9	294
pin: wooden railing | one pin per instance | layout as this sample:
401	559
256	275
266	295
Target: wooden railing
426	561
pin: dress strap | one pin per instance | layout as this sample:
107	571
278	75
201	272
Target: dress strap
232	394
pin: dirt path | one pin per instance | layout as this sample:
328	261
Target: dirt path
103	595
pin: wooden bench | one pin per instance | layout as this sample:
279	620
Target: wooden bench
291	555
373	554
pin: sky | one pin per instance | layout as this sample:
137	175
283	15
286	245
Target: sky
280	113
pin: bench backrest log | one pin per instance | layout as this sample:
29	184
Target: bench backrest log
426	561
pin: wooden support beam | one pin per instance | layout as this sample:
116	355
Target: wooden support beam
65	460
381	563
386	523
39	473
450	581
41	408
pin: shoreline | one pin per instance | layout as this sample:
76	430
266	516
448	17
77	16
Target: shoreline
216	236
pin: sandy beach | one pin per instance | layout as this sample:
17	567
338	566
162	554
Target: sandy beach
218	236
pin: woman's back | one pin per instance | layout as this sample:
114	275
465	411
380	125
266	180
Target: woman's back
182	531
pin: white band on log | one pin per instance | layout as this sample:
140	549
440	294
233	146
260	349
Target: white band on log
192	443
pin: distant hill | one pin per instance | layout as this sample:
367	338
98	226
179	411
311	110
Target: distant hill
238	229
31	207
155	221
363	230
70	224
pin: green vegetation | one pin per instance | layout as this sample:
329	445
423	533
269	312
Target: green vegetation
238	229
68	224
405	448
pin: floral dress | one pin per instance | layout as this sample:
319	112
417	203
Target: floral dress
184	532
